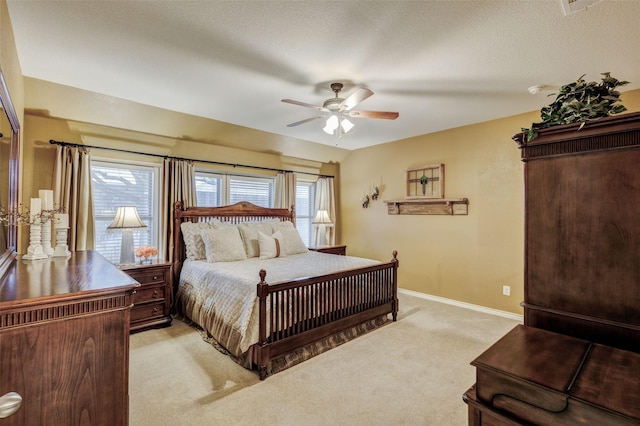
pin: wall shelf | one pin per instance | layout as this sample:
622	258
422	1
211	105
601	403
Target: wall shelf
433	206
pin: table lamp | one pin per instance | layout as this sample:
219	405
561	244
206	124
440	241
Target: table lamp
322	221
127	220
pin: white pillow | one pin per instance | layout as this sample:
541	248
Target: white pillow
271	245
223	245
193	240
249	232
292	242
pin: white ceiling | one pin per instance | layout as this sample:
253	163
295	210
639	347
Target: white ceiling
440	64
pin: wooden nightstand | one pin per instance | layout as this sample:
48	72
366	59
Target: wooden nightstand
341	250
152	301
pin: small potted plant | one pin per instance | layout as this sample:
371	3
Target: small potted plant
580	101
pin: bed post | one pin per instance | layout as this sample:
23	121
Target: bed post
396	302
263	348
177	253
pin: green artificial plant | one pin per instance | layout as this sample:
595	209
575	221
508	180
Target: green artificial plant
580	102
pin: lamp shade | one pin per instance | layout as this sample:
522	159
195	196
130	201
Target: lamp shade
322	218
127	218
331	125
346	125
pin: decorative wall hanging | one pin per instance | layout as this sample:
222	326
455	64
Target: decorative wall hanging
365	201
425	182
425	194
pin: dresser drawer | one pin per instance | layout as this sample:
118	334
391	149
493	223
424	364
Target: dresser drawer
147	294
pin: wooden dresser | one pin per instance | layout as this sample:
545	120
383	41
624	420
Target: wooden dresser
64	340
576	360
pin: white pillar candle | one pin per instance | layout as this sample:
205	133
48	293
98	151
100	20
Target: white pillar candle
61	220
36	206
46	195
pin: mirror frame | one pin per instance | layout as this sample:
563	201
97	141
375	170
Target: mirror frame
9	255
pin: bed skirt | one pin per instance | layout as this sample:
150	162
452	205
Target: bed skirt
297	356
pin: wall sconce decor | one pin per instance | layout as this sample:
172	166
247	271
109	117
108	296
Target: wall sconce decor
365	201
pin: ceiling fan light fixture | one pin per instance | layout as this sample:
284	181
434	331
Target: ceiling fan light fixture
331	125
346	125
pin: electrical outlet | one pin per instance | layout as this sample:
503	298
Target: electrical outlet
506	290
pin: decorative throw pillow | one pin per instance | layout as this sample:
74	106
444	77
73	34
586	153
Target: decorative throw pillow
293	244
249	232
271	245
193	240
223	245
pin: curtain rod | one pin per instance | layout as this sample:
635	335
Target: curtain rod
219	163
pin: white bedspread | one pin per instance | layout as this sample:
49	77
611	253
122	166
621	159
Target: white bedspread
221	297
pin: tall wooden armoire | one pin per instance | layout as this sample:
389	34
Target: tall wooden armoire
580	342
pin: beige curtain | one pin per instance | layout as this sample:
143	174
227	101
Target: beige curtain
72	192
178	184
285	190
325	200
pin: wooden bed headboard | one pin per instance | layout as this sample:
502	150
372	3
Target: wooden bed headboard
235	213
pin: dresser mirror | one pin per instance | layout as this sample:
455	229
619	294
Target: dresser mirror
9	173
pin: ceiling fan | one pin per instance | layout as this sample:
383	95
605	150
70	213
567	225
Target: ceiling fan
340	109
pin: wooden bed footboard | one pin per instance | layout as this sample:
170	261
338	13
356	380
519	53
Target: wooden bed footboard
299	312
296	313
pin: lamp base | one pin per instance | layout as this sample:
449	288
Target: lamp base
127	255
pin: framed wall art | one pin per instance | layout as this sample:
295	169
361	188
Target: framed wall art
425	182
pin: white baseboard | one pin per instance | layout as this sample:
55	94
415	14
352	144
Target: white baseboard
460	304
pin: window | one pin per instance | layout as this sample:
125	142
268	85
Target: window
214	189
259	191
124	184
305	200
209	189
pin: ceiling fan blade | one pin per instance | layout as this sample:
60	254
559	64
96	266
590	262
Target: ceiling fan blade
297	123
306	105
355	98
387	115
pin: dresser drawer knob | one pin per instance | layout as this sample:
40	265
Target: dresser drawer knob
155	293
155	310
156	277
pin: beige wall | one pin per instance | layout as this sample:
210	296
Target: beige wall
466	258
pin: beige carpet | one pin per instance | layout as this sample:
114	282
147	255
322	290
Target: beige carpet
411	372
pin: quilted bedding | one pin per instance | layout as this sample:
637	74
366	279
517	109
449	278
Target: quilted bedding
221	297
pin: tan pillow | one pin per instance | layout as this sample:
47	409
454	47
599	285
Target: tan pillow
223	245
271	245
249	232
292	242
193	240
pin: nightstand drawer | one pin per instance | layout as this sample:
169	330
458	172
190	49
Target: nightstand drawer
151	275
147	294
146	312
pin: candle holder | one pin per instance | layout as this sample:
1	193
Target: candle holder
46	232
35	250
61	249
61	225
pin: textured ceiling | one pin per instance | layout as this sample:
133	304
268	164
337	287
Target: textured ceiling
440	64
